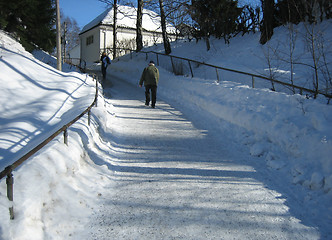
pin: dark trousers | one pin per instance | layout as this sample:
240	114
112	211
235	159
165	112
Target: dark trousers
103	71
153	90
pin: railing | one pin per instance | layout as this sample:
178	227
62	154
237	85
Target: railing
8	171
253	76
77	62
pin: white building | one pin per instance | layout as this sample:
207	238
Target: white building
97	36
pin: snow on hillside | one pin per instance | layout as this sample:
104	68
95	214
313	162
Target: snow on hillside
28	85
254	58
36	100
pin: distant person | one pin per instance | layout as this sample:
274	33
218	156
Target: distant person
105	61
150	77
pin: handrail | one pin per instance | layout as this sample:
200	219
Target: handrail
8	170
240	72
81	63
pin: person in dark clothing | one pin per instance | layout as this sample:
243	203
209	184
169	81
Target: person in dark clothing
105	61
150	78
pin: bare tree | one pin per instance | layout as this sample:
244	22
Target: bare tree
167	45
139	28
113	3
315	43
115	9
178	14
58	36
70	33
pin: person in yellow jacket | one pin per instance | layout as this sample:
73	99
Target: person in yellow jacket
150	78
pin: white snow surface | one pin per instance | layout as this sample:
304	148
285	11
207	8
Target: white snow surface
211	161
127	17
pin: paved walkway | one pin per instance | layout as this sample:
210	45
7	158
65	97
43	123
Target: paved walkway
173	180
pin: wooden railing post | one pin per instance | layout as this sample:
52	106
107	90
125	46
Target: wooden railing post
65	136
10	193
191	70
89	116
218	80
253	82
96	95
172	64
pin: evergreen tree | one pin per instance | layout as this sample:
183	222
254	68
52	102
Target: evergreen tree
32	21
295	11
216	17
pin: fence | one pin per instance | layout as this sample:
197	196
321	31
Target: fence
76	62
185	66
8	171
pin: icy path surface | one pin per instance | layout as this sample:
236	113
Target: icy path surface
174	180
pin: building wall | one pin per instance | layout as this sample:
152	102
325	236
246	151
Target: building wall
74	52
90	49
103	41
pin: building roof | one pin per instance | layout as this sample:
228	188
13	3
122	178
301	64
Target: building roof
126	18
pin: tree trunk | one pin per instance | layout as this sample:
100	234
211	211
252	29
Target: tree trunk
167	45
207	42
139	38
268	21
115	9
58	36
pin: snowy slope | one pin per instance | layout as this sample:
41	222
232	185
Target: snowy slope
35	98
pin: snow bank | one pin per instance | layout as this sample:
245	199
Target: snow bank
55	194
36	98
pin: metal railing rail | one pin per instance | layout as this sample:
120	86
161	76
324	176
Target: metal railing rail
253	76
76	62
8	171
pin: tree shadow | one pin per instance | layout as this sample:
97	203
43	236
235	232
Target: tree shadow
25	138
189	159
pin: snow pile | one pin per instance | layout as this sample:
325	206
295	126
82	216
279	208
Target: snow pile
55	188
51	60
35	99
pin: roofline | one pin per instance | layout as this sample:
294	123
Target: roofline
91	28
102	24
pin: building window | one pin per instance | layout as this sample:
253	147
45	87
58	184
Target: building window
89	40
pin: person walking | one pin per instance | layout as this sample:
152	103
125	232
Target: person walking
105	61
150	78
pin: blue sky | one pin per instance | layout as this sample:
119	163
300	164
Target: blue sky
84	11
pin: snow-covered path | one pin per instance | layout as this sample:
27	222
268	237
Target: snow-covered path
175	178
